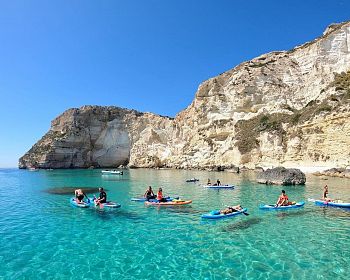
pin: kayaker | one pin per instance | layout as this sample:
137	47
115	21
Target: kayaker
160	197
102	198
282	199
79	195
208	183
149	194
218	183
325	194
231	209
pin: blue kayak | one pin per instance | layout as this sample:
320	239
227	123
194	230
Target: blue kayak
108	204
193	180
216	214
219	187
331	203
273	207
142	199
83	204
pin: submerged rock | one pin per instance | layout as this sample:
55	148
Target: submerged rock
281	176
70	190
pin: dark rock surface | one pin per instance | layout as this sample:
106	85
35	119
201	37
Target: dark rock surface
281	176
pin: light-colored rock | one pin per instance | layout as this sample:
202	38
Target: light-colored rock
279	109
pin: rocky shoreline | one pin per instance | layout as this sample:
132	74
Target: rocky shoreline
334	172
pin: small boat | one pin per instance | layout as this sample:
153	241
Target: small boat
333	203
112	172
33	169
219	187
274	207
82	204
192	180
216	214
169	203
143	199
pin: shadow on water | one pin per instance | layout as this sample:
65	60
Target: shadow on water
242	224
334	212
293	214
70	190
116	214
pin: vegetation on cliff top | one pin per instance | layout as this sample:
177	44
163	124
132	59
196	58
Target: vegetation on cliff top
248	131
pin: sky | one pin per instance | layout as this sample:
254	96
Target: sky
147	55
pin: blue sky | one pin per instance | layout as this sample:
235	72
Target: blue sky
148	55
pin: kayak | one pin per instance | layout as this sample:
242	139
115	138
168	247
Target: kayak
142	199
335	203
83	204
216	214
192	180
108	204
169	203
272	206
219	187
112	172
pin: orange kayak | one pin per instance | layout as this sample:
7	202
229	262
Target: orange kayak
169	203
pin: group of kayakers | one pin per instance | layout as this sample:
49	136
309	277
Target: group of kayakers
149	194
282	200
218	183
79	196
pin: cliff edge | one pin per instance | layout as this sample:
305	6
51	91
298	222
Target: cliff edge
288	108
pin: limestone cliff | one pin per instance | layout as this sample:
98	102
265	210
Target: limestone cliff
287	108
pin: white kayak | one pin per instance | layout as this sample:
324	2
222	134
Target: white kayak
219	187
112	172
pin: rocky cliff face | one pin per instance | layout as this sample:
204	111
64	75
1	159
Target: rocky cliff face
287	108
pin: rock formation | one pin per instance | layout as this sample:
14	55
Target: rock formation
281	176
288	108
334	172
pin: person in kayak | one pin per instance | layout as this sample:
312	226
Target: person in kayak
79	195
149	194
325	194
231	209
208	183
102	198
218	183
160	197
282	199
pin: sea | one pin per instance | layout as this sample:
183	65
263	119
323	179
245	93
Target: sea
42	236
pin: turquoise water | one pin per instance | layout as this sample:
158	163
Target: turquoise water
43	237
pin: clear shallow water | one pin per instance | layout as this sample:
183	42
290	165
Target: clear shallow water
43	237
